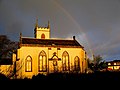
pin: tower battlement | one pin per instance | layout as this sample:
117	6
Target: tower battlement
42	32
42	28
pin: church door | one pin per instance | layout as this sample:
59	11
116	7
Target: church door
55	60
55	65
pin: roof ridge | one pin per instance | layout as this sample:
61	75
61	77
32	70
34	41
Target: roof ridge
47	39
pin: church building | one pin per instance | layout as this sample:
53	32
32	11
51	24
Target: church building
42	54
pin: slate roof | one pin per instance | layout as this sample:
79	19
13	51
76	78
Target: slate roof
48	42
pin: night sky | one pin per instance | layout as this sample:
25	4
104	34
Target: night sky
95	23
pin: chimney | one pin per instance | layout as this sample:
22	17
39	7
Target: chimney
73	37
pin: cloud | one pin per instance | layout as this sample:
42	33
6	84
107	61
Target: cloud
95	23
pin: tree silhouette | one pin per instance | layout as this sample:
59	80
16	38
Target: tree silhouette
96	64
7	47
97	60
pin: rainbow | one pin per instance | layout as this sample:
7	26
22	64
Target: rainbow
84	36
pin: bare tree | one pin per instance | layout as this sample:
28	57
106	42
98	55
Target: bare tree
14	69
7	47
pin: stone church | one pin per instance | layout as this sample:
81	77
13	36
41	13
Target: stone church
42	54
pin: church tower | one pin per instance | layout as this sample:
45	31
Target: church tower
42	32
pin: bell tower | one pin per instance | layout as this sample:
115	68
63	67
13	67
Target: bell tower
42	32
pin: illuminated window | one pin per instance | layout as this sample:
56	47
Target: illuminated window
28	64
65	61
42	62
114	63
77	64
43	36
109	63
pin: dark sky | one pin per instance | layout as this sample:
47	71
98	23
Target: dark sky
95	23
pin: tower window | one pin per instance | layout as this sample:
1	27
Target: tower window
43	36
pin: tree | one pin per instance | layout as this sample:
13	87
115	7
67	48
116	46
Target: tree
95	64
90	64
14	69
103	65
7	47
97	60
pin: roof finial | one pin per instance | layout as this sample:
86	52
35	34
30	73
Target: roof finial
36	25
48	24
20	39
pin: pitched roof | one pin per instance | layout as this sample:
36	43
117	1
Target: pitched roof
113	61
48	42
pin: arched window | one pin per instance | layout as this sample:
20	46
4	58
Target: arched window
65	61
28	64
43	36
42	61
76	63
